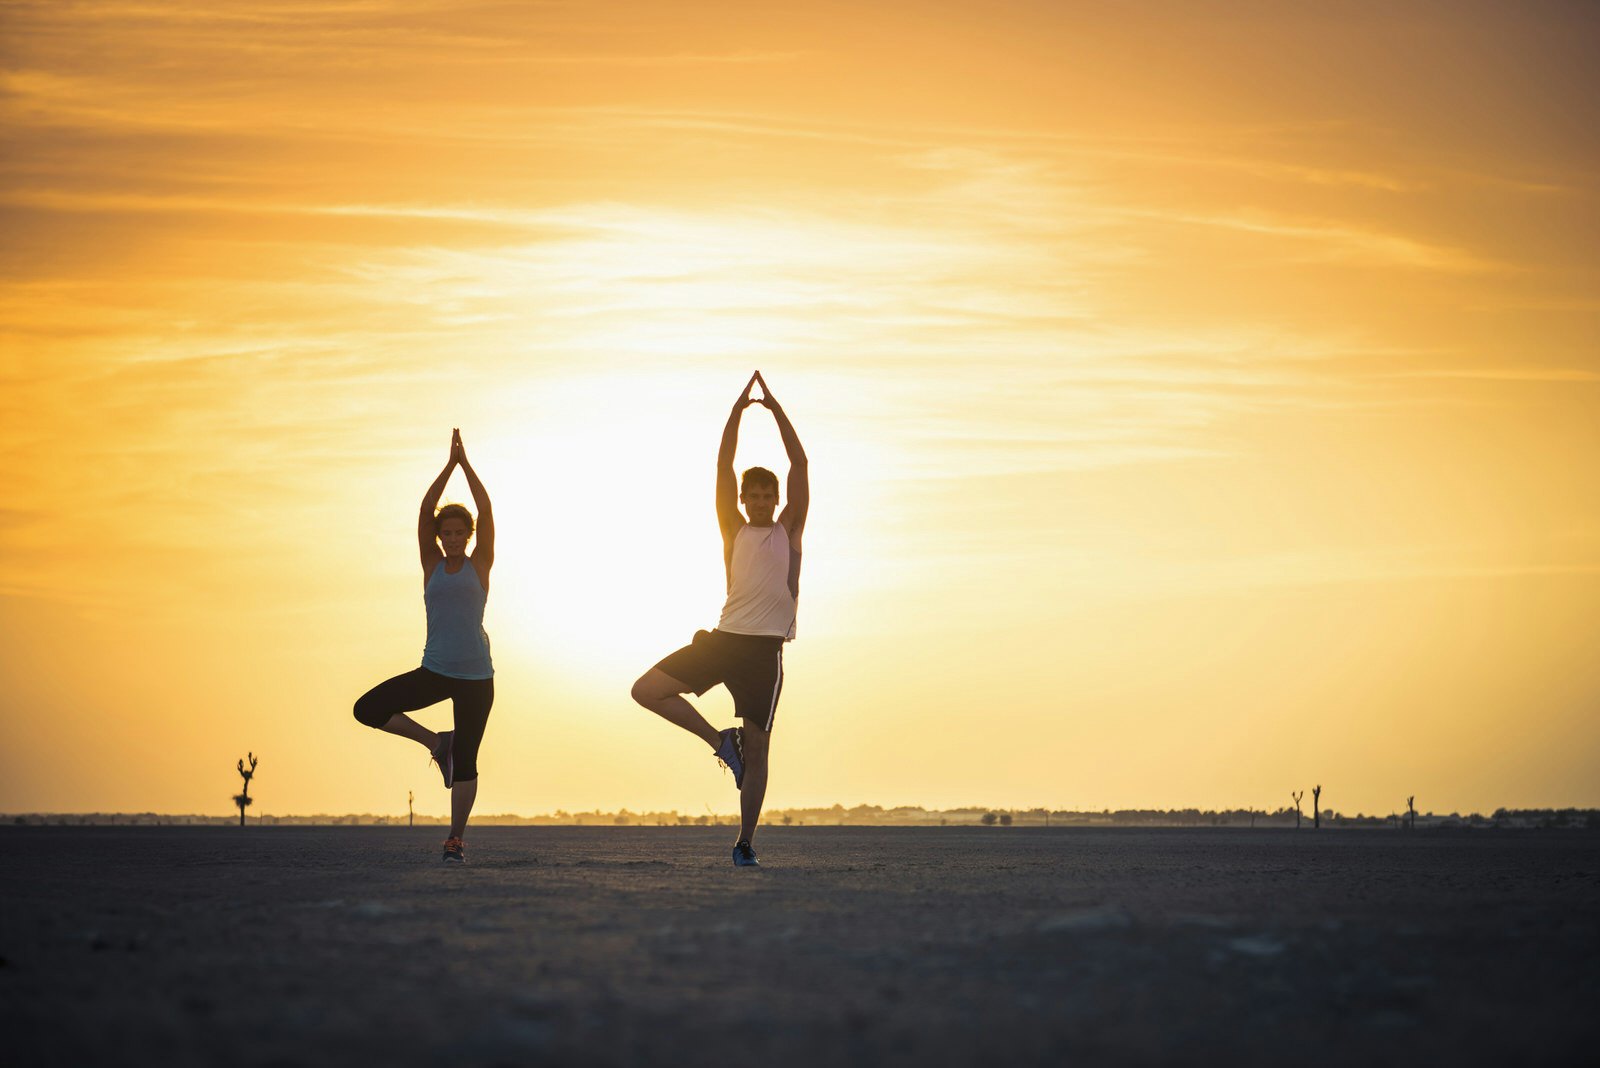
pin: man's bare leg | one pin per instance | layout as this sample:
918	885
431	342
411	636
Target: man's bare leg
663	695
754	791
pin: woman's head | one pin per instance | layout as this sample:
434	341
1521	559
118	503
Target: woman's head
452	525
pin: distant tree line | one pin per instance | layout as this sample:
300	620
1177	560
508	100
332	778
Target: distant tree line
878	816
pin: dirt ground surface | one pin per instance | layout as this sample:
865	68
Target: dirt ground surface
622	946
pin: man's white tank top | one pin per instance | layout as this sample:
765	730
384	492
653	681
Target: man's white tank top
763	583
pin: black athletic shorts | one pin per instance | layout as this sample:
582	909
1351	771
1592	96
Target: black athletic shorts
749	665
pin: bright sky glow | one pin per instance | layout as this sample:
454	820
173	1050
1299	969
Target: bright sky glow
1203	402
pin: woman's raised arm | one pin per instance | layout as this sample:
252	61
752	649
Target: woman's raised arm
427	535
483	550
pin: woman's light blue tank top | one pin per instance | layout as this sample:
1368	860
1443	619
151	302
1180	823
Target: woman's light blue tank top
457	645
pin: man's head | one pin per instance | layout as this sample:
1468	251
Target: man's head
758	490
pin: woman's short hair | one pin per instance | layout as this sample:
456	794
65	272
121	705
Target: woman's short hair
452	511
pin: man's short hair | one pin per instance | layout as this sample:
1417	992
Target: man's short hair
758	476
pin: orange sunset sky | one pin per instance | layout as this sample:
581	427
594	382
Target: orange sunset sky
1203	400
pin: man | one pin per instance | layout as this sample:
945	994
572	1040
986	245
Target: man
761	554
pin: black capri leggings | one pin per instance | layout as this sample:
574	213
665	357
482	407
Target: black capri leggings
472	699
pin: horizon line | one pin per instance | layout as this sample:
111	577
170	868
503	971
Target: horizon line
857	812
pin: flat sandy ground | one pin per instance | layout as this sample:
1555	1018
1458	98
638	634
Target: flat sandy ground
288	946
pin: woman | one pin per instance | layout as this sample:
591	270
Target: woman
455	661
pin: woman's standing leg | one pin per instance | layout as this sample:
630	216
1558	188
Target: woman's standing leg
473	699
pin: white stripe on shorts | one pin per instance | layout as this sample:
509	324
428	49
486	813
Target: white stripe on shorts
772	710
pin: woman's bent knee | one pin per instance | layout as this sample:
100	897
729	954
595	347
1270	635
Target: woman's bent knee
369	714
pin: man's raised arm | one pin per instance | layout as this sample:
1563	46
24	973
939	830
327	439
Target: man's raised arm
728	516
793	517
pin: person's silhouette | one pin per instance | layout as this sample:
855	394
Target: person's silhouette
761	554
455	662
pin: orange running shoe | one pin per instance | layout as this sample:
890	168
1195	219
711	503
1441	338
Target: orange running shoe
455	851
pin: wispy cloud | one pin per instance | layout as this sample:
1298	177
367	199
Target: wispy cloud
1504	374
1334	240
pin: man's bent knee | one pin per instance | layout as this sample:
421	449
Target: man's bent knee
654	686
643	692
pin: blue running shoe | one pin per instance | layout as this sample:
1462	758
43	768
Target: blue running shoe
731	753
444	756
455	851
744	856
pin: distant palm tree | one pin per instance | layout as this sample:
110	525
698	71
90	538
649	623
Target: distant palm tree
243	799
